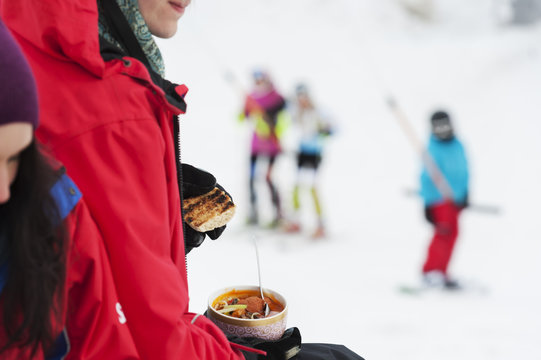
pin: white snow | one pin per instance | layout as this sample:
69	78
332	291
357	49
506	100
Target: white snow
354	53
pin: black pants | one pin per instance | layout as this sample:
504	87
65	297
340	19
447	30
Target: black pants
314	351
309	161
275	197
289	343
326	352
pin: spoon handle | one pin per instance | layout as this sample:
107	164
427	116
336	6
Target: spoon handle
267	308
258	266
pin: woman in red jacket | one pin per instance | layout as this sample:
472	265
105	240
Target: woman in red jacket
31	242
111	120
40	211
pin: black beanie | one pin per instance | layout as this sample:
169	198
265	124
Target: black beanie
440	115
441	125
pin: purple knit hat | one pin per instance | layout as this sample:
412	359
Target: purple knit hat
18	93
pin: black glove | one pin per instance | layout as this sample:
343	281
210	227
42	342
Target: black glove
465	202
192	238
282	349
197	182
428	214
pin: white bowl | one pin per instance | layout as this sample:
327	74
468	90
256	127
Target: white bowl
269	328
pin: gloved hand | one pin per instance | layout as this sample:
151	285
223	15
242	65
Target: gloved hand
428	214
197	182
465	202
282	349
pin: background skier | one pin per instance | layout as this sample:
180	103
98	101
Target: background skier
446	168
264	106
313	128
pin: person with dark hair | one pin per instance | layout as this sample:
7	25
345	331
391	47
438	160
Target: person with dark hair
264	106
444	189
48	247
314	127
32	242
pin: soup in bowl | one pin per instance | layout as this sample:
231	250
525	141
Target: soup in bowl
239	311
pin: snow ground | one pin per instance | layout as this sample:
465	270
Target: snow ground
353	53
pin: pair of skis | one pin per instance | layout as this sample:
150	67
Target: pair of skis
461	287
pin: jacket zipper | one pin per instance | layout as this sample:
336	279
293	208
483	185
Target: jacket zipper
176	134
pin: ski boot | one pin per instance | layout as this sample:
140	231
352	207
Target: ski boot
319	233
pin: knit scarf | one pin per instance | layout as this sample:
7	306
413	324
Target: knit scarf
130	9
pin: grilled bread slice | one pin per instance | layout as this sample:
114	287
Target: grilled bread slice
208	211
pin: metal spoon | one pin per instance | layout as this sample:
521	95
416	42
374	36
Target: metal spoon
267	309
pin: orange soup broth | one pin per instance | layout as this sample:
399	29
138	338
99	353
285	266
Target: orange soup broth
274	304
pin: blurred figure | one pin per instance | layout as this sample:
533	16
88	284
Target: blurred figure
447	168
313	128
264	106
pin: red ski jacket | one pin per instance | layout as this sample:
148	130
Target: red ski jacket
112	128
91	332
94	322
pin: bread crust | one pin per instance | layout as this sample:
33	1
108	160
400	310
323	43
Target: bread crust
208	211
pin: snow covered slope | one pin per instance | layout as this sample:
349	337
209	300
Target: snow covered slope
354	53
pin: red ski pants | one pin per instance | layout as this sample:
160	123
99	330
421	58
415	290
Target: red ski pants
445	218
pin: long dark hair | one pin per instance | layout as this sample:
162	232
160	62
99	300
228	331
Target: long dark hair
35	245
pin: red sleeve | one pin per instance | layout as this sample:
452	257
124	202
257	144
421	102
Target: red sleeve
95	326
126	173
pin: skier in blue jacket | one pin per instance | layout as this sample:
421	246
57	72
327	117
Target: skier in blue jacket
444	189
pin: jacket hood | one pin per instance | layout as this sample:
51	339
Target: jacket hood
65	29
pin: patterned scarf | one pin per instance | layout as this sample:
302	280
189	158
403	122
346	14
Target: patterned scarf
130	9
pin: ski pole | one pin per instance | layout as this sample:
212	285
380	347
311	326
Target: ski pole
481	208
227	73
434	171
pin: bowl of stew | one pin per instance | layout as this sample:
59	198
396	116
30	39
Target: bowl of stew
239	311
